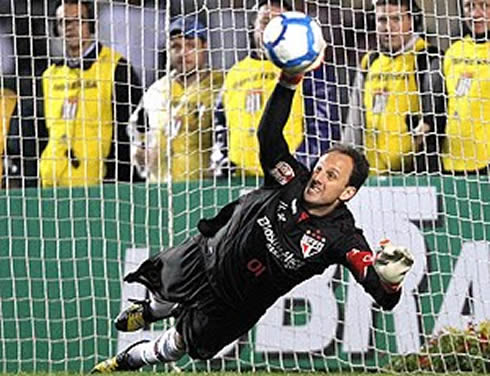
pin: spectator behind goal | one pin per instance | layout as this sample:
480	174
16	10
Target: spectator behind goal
462	97
386	118
189	93
88	97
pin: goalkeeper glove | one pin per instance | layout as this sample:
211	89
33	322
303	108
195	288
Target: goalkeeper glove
392	263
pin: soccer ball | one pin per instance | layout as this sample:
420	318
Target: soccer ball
293	41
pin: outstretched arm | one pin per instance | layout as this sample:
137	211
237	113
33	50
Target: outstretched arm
381	275
278	164
272	144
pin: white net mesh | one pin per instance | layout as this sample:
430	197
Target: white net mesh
65	249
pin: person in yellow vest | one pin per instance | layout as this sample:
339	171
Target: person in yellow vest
387	118
8	115
88	97
464	88
178	110
312	126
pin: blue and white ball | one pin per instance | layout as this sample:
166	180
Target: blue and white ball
293	41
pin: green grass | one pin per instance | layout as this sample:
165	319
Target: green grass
244	374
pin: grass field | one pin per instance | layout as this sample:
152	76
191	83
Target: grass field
247	373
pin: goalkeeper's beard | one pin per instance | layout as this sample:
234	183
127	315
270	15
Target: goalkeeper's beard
312	206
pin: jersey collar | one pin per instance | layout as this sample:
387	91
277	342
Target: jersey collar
88	59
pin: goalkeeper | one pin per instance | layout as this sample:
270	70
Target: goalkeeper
219	283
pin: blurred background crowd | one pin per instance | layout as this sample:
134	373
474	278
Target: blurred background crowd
30	42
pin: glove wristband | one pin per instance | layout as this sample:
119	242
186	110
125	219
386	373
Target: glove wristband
290	81
390	288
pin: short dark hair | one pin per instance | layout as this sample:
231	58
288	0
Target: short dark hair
286	4
412	7
89	7
360	171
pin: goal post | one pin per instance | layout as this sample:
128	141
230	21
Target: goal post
64	251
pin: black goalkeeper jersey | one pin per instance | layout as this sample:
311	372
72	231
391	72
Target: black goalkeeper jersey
265	243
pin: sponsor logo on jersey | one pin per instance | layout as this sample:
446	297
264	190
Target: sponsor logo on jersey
69	108
253	101
380	100
282	172
282	208
312	243
464	85
294	207
285	257
85	84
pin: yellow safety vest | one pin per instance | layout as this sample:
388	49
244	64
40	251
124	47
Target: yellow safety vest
467	76
248	86
79	119
390	95
189	127
8	101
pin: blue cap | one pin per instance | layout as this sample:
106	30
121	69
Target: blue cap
189	27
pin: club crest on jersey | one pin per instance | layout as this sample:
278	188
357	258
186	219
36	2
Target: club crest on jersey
282	172
312	243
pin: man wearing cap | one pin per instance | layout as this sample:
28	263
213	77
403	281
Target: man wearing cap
314	121
88	97
178	110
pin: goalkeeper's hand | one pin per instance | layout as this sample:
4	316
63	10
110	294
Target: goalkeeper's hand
292	79
392	263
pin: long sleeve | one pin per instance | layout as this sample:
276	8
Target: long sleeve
353	130
127	94
358	258
434	109
221	166
272	144
372	285
434	106
279	166
321	115
26	141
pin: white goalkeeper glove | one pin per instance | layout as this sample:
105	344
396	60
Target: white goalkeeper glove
392	263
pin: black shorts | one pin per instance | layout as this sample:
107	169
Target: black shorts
206	323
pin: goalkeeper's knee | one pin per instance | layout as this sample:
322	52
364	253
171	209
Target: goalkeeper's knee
169	347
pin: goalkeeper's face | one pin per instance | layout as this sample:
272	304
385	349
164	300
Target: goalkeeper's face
329	183
394	27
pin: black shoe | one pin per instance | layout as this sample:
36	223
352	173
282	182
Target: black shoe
138	315
135	317
117	363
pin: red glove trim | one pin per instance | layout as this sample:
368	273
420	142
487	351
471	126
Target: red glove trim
360	260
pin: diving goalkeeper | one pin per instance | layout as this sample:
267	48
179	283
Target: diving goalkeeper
219	283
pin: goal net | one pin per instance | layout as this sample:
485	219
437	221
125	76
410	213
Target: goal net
66	245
